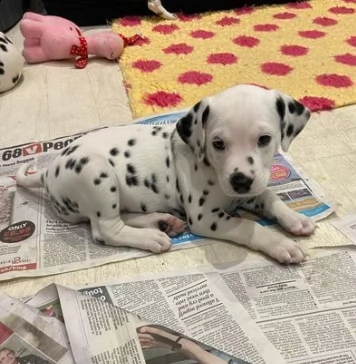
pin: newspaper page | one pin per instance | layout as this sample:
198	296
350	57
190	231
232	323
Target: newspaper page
100	332
27	338
307	312
189	305
34	241
347	226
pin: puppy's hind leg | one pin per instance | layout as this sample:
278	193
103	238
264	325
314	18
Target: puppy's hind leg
103	210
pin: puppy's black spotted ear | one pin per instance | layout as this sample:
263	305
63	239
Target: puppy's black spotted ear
191	127
293	117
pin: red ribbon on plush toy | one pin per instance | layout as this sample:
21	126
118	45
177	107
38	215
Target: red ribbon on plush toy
82	50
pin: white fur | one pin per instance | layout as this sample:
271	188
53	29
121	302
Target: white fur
163	172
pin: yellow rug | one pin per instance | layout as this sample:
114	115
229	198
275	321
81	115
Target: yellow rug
307	49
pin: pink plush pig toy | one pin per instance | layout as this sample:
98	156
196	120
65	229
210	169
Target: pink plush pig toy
54	38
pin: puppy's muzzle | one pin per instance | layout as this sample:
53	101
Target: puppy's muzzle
240	182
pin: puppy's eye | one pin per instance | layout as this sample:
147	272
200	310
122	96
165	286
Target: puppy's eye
218	144
264	140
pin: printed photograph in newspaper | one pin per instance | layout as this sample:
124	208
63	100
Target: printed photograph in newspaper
163	346
34	337
15	350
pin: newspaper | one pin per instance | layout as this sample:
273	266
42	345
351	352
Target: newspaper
306	312
26	337
96	323
347	226
34	241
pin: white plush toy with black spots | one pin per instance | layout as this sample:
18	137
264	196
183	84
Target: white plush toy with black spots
11	64
132	181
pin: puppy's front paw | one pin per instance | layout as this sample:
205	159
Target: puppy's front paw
286	251
296	223
156	241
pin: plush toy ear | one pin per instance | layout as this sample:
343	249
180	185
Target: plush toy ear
191	127
293	118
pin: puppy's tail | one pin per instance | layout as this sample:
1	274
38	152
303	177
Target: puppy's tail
30	181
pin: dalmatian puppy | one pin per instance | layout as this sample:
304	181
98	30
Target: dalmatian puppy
134	182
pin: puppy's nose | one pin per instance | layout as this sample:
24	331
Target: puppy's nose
240	182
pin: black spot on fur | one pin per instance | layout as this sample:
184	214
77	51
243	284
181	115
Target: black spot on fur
114	205
3	47
154	178
165	135
16	78
205	116
228	217
167	178
97	181
154	132
65	151
290	130
98	214
131	142
42	178
162	225
250	201
168	162
47	173
296	107
190	198
57	171
201	201
114	152
127	154
250	160
200	216
154	188
197	106
104	175
166	196
1	68
205	192
70	163
195	167
143	207
78	168
131	169
262	206
72	149
4	40
181	198
84	160
281	108
213	226
113	189
221	214
184	127
112	162
131	180
215	210
190	221
177	185
147	183
211	183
